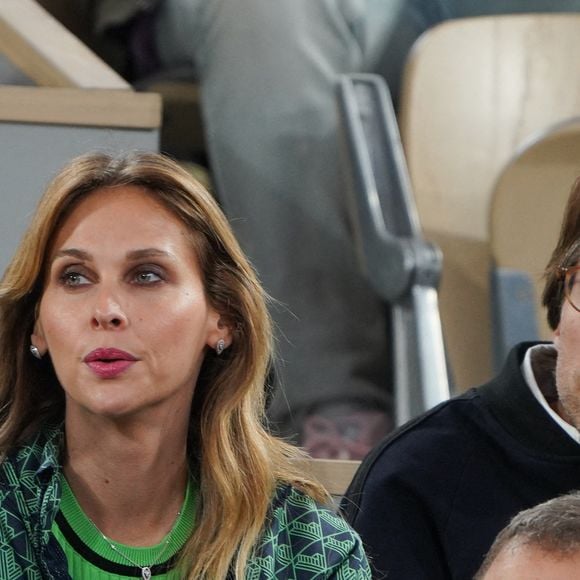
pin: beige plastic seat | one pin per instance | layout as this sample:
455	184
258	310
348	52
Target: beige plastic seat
528	203
334	474
475	90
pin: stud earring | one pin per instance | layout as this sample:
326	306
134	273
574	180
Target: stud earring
220	346
35	352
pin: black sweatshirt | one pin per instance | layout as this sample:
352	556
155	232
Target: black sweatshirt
430	499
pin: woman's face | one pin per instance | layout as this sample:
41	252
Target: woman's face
124	315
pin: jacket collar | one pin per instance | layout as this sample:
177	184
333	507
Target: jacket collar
509	399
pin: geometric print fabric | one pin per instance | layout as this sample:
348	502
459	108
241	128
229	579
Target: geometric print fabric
302	540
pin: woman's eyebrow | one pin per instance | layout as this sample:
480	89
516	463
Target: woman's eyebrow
132	255
74	253
148	253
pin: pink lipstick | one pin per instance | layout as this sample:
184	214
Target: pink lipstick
109	363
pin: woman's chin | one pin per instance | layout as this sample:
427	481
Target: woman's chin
108	407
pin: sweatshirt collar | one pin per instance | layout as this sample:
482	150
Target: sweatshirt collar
509	398
538	369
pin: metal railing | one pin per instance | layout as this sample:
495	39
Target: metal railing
403	268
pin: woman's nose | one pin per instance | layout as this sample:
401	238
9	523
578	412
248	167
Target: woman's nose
108	313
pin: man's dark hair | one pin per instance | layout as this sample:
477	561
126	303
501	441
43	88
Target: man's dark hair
566	253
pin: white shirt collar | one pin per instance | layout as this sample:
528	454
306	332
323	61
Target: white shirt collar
537	392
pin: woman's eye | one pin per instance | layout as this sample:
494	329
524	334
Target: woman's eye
145	277
71	278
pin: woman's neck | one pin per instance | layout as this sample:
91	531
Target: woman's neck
128	476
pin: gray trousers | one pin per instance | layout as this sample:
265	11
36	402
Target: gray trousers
268	71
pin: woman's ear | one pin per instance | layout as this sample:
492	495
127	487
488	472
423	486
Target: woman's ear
37	338
220	334
556	336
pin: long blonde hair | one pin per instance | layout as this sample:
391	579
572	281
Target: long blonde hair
236	462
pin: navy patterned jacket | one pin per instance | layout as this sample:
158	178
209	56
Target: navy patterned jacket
301	539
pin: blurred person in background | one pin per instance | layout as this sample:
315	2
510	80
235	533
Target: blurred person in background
268	73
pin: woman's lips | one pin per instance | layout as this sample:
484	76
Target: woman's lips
108	363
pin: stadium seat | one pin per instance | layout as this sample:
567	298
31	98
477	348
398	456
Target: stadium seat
526	211
474	91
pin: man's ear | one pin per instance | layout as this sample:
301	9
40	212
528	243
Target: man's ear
556	337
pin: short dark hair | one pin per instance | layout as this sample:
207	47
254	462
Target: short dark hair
552	526
566	253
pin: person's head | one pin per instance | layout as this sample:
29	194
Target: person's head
83	233
562	299
540	542
124	315
230	287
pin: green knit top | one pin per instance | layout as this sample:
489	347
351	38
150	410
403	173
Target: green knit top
90	556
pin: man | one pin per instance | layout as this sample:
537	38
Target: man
540	542
429	501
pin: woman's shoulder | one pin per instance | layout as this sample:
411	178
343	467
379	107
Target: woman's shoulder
37	454
293	507
37	443
306	539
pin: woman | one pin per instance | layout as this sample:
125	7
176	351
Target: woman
135	341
